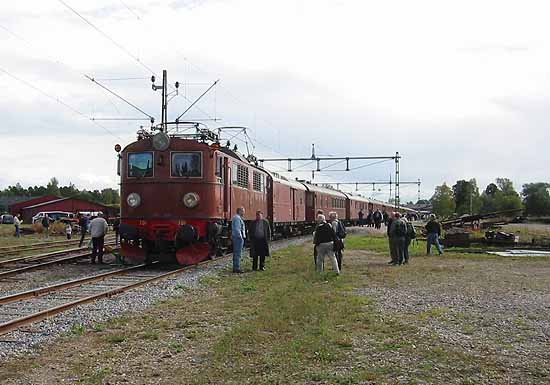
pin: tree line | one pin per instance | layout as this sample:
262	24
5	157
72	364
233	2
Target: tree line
106	196
464	198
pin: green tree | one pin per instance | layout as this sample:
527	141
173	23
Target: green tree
68	191
500	196
466	197
53	187
536	198
442	201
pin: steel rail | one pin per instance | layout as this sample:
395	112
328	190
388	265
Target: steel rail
19	270
38	257
7	250
41	315
64	285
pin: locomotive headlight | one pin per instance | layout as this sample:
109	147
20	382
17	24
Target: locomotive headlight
161	141
191	200
133	200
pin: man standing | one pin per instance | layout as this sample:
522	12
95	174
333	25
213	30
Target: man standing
390	243
397	232
411	234
83	223
260	236
361	216
17	224
340	232
46	225
238	235
377	218
98	229
116	229
324	244
433	228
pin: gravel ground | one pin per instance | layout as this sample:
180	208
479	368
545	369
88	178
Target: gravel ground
495	310
135	301
54	274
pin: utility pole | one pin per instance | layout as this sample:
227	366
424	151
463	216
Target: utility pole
164	103
397	203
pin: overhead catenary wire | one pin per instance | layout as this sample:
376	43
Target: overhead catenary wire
106	36
58	100
120	97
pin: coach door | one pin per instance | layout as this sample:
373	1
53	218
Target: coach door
310	206
293	201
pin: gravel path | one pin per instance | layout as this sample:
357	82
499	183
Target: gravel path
135	301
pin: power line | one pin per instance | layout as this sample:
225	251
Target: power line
129	9
58	100
120	97
106	36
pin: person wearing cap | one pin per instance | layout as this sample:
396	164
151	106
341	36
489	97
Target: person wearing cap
433	229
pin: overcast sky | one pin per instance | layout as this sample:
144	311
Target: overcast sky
461	89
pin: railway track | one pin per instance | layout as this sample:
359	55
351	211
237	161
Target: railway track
24	308
27	307
17	249
15	266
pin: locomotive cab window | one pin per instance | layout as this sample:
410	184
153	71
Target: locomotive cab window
186	164
140	165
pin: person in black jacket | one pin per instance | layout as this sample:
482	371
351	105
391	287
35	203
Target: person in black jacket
433	228
324	244
393	255
260	236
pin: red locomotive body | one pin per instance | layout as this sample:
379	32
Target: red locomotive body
178	196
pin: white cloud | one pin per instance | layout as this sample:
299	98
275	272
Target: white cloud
460	89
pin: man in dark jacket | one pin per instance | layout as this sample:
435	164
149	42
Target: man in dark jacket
83	223
324	244
397	232
433	228
391	245
260	236
46	225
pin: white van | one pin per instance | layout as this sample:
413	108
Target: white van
53	215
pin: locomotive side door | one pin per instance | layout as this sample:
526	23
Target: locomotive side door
227	189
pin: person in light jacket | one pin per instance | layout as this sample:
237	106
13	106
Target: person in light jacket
260	237
238	235
98	229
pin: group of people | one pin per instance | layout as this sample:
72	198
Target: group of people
373	219
401	232
259	235
328	239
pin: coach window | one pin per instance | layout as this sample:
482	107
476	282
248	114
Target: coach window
187	164
140	165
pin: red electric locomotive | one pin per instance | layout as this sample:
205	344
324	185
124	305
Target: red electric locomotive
178	193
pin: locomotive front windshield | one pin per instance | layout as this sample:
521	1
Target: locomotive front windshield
187	164
140	164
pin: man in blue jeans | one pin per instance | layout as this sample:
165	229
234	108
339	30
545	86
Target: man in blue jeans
238	235
433	228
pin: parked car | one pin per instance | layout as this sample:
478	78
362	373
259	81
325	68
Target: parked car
7	219
53	215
